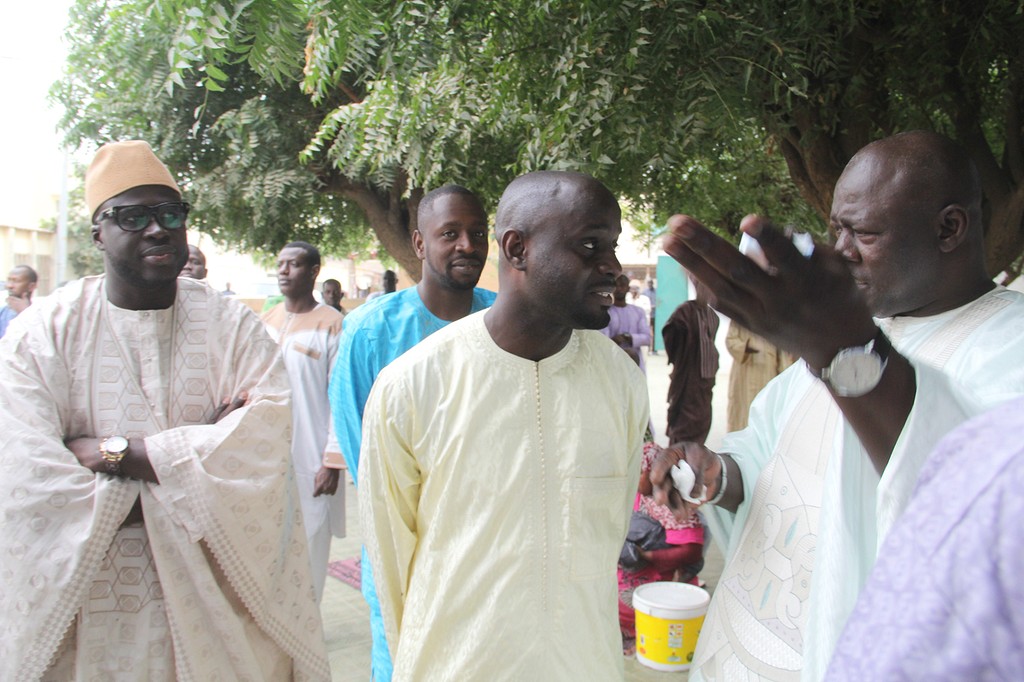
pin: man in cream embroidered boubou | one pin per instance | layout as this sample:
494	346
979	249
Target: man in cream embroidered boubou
151	524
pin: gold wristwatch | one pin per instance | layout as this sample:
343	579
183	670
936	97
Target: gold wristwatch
113	450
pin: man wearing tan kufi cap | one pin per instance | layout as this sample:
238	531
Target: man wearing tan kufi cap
120	166
151	524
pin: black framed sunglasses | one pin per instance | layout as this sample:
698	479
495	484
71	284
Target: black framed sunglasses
169	215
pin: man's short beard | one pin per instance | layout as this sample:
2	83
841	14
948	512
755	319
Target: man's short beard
135	277
455	285
452	284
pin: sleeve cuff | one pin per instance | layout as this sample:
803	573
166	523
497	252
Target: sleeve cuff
334	460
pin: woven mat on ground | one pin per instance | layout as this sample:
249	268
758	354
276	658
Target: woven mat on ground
346	570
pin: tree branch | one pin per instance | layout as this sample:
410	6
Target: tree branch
386	213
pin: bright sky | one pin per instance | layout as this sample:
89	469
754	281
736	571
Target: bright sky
31	58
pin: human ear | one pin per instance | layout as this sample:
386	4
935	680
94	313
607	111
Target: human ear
954	225
513	248
417	244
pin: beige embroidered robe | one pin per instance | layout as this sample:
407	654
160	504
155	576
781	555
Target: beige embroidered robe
223	526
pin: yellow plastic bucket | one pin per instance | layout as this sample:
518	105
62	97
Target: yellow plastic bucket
669	617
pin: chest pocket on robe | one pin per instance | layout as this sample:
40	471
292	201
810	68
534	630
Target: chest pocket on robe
597	518
305	350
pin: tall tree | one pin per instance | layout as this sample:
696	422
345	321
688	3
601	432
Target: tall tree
218	96
385	109
690	105
643	85
522	82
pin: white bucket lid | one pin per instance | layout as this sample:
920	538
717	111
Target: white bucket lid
671	601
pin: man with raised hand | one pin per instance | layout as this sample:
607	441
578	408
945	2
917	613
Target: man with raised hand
903	336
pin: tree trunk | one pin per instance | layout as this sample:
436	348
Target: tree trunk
391	217
1004	240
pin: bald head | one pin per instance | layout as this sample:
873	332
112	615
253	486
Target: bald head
529	201
557	233
921	164
907	217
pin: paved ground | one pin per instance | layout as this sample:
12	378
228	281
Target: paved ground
346	621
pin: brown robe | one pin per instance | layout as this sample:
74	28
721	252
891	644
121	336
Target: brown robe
689	337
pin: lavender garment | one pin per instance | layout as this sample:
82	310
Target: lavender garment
632	320
946	598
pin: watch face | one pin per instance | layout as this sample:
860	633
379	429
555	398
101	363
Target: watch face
115	444
855	372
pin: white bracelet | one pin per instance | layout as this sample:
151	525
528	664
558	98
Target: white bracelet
722	483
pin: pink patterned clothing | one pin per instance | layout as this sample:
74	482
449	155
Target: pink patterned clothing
676	533
686	538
